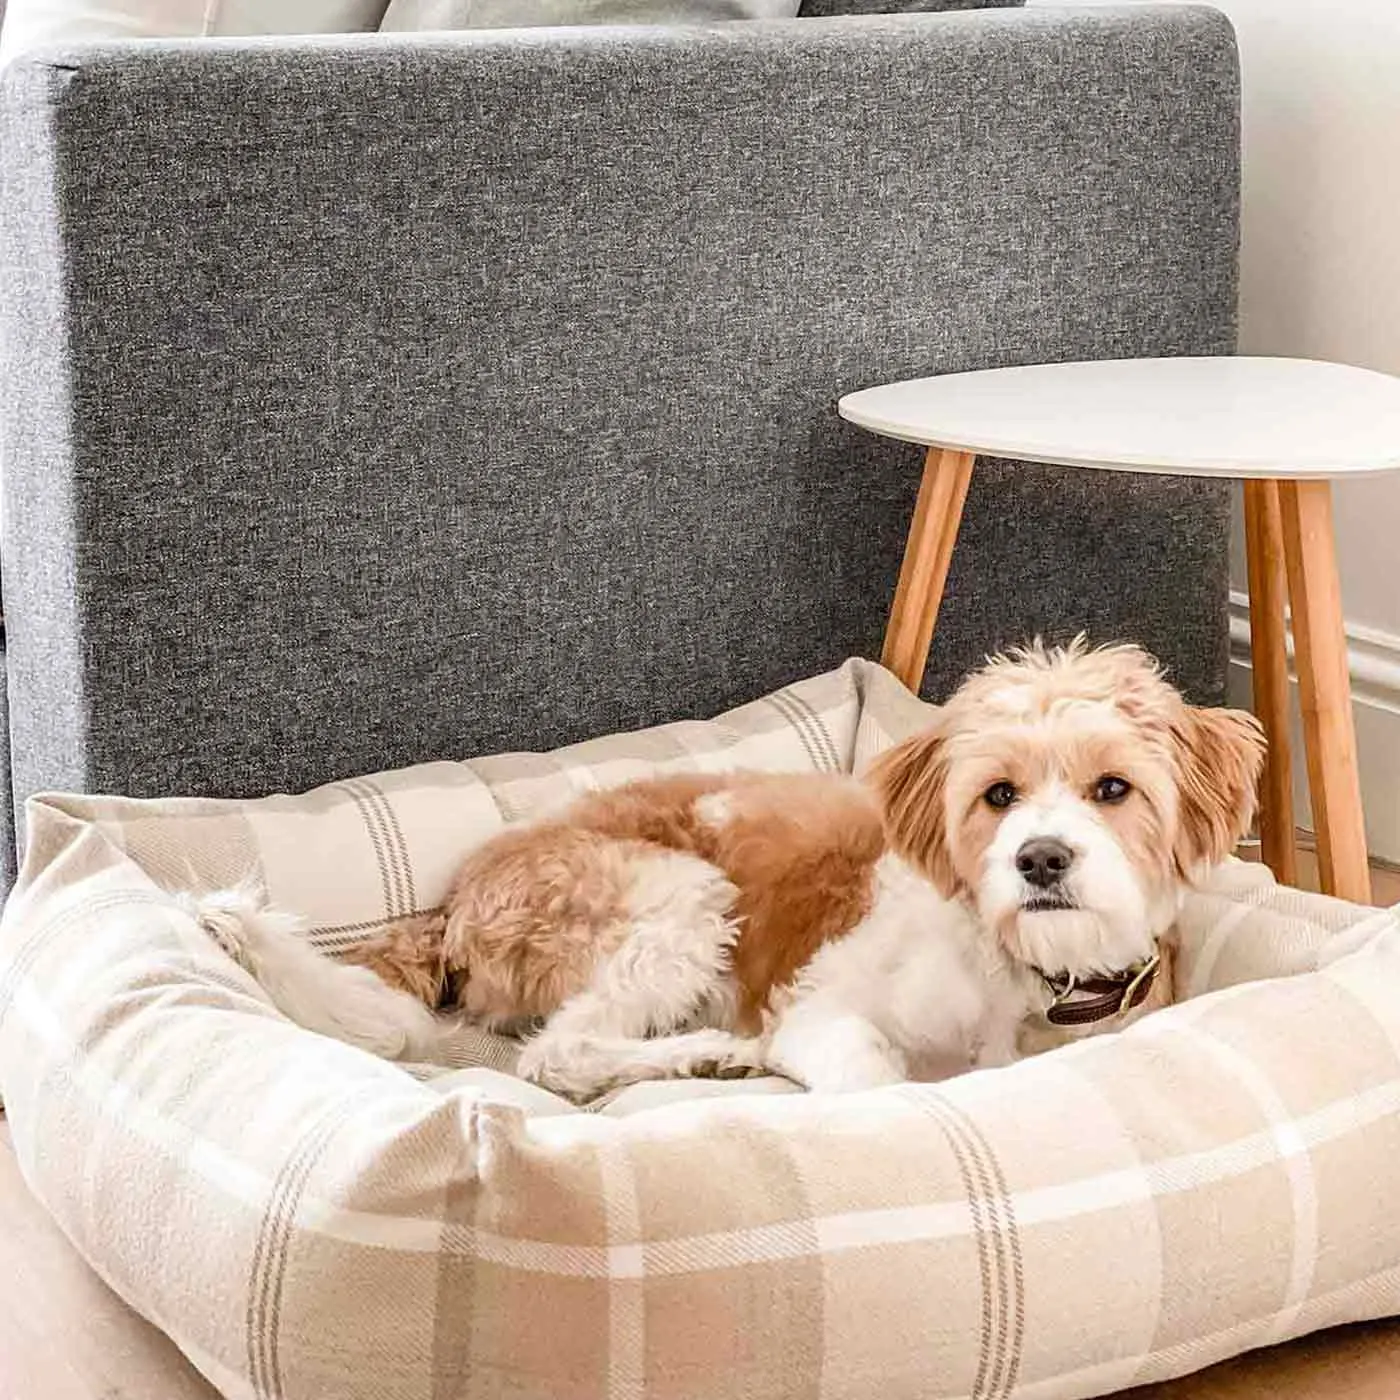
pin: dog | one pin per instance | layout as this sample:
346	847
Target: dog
1022	858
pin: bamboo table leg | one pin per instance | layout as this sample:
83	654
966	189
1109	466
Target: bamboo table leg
1263	526
927	554
1325	687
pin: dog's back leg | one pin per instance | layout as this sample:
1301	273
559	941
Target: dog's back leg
670	967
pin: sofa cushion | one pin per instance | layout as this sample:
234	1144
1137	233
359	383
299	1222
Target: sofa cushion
28	24
306	1220
516	14
813	9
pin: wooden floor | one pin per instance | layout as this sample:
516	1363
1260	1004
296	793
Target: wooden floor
65	1336
1385	883
1350	1363
1385	887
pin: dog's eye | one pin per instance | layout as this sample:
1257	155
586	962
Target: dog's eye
999	795
1111	789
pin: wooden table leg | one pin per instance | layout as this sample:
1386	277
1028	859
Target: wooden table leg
1324	686
1263	528
927	554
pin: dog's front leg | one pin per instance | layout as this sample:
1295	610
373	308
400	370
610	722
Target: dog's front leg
831	1050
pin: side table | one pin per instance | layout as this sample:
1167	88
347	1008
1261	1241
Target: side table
1286	428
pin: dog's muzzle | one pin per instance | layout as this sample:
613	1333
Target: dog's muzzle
1082	1003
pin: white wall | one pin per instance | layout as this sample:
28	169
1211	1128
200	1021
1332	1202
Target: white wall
1321	278
1321	270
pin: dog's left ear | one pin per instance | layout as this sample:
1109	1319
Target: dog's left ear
1219	757
910	780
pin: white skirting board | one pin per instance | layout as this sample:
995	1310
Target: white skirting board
1374	658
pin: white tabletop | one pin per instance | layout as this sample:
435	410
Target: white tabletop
1223	416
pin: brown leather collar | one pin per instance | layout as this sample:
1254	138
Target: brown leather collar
1103	996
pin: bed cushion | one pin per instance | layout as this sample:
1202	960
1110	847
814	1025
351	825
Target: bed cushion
305	1220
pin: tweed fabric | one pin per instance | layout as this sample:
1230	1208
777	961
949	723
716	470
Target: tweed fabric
307	1221
338	441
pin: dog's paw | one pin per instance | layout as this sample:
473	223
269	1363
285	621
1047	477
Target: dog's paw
533	1062
856	1077
554	1065
852	1070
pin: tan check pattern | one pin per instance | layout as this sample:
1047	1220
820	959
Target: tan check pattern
309	1222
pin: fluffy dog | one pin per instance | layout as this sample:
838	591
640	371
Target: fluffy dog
1026	855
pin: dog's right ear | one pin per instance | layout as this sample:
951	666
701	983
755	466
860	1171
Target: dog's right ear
910	781
1220	754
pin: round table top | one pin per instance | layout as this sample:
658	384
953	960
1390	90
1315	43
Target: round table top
1222	416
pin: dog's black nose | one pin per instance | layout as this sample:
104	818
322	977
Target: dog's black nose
1043	861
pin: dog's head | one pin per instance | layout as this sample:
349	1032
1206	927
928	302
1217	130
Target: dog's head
1069	796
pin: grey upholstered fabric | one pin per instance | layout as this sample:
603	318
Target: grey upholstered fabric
370	400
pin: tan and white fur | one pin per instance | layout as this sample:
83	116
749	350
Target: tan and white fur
845	932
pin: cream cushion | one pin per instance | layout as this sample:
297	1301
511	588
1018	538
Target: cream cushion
307	1221
513	14
29	24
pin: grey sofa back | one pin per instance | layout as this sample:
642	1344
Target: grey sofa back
368	402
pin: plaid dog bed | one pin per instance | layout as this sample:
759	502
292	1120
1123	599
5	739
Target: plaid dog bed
307	1221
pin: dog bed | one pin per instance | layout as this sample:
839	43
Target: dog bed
306	1221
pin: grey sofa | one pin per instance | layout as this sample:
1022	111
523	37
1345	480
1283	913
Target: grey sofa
367	401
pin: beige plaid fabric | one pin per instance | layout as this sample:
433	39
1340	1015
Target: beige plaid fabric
309	1222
